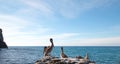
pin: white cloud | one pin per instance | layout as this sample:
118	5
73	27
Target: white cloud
33	35
73	40
65	8
63	35
18	31
110	41
72	8
41	40
58	38
115	28
39	5
11	23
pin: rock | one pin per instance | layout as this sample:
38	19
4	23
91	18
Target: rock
2	43
55	60
52	60
65	60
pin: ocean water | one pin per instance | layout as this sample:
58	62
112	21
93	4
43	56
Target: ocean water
28	55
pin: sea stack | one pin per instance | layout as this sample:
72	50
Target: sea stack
2	43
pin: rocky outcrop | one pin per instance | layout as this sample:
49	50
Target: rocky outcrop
66	60
56	60
2	43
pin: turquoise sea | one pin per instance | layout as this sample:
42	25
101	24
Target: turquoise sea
29	54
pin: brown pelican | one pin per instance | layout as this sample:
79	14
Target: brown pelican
86	58
62	54
47	50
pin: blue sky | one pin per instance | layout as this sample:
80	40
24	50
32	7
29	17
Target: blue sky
68	22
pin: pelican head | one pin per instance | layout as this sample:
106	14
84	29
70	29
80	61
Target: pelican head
61	49
51	40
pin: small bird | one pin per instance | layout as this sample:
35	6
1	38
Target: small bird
62	54
86	58
47	50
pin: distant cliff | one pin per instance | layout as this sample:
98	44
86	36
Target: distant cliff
2	43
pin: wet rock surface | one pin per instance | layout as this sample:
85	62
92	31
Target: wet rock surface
56	60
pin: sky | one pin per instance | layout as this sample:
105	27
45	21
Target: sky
68	22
